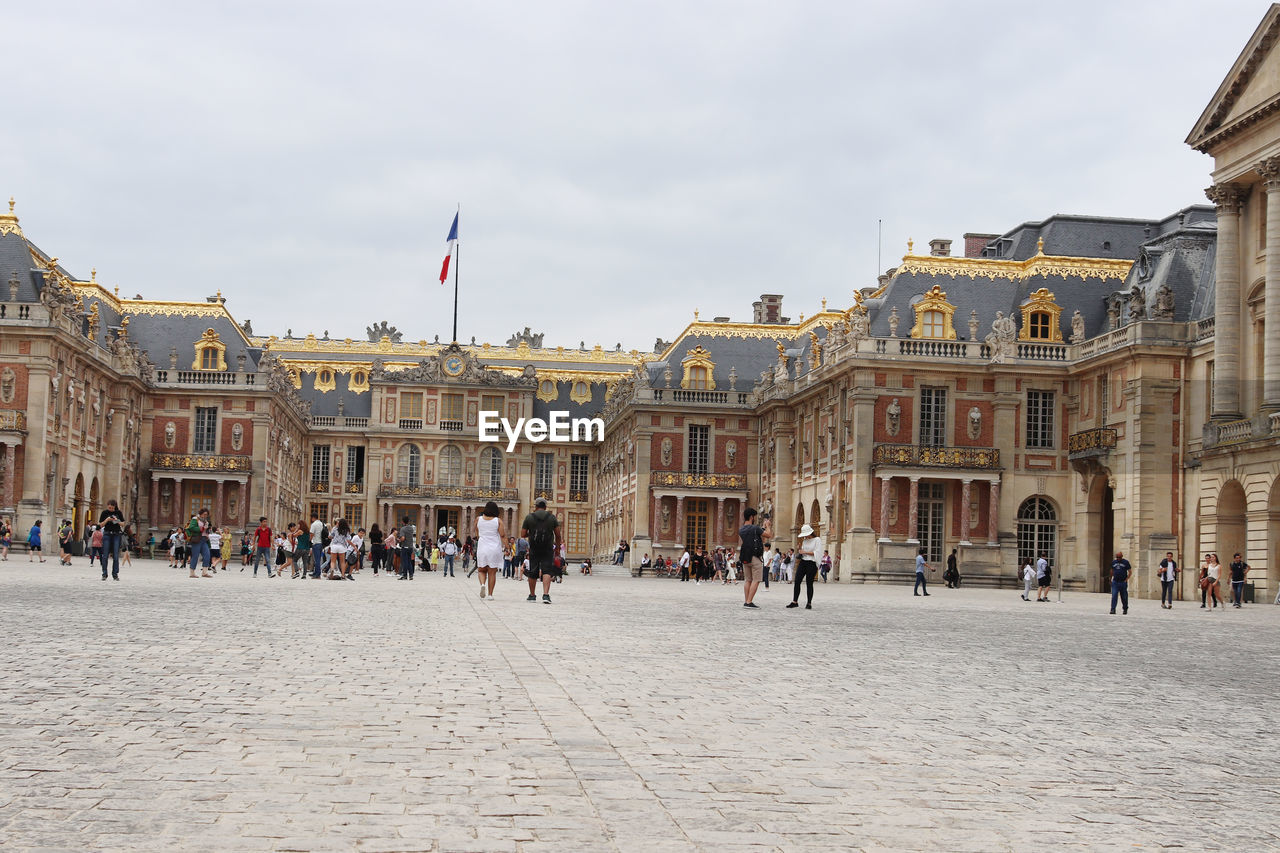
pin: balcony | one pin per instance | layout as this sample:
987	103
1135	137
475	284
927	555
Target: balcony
13	421
689	396
451	426
698	480
354	488
197	462
1091	442
411	423
336	422
319	487
544	492
478	494
916	456
577	495
172	378
1242	431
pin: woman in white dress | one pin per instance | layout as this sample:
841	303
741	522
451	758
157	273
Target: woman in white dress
490	534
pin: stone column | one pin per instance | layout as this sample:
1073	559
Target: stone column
422	520
177	501
154	518
242	512
885	482
1270	170
655	519
1227	307
717	529
993	514
964	511
218	505
913	535
10	467
680	521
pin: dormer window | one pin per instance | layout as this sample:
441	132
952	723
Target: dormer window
699	370
934	315
1038	326
932	324
211	353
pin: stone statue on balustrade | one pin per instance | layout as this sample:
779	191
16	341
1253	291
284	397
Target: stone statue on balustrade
1164	304
1002	339
1077	327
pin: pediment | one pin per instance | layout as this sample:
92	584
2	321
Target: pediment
1250	91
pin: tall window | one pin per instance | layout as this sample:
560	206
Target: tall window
320	511
451	407
354	514
1037	531
698	378
578	477
409	469
355	465
544	464
933	416
320	463
491	403
206	437
699	455
411	410
1040	419
575	533
932	325
450	473
1038	328
491	468
1104	398
1208	390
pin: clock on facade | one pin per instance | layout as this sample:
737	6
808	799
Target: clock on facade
453	365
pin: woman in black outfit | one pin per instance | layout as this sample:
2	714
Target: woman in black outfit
377	546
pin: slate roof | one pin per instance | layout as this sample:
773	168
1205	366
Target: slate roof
750	355
1091	236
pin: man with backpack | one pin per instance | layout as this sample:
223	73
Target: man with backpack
751	552
542	531
408	538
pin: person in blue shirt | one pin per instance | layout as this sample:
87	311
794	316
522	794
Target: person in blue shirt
33	543
1120	571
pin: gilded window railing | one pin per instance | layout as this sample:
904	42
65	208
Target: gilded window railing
922	456
200	462
1091	441
13	420
698	480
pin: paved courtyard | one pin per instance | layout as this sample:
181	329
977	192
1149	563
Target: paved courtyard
163	713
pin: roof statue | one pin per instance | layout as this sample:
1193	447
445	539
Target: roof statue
526	337
381	330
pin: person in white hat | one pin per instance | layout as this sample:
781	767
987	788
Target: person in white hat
807	568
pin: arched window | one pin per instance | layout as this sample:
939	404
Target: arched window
410	465
1037	531
1038	326
450	469
491	468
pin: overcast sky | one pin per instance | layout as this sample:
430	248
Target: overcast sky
618	164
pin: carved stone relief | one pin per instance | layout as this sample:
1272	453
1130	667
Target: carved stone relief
893	417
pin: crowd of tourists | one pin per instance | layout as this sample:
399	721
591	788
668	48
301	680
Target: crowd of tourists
334	551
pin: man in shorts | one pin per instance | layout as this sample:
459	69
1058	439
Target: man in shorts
541	530
751	552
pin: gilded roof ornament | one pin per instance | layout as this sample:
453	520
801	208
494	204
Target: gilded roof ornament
9	221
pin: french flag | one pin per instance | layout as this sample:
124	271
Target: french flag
453	242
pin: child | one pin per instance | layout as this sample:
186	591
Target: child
1028	575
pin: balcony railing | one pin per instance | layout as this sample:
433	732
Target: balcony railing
200	462
1091	442
355	488
451	426
917	456
694	396
460	493
547	494
698	480
13	421
578	495
338	422
411	423
319	487
170	376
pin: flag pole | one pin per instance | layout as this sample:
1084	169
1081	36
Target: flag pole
457	257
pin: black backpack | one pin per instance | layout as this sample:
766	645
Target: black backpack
752	541
541	538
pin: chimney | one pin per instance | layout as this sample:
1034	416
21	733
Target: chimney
757	313
975	243
940	248
769	308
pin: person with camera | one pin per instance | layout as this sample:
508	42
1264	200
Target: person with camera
751	552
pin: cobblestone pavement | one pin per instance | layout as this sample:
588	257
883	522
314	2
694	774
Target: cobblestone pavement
163	713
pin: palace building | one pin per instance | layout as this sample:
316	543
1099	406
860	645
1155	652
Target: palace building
1074	386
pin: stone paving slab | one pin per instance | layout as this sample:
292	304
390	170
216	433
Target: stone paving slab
242	713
